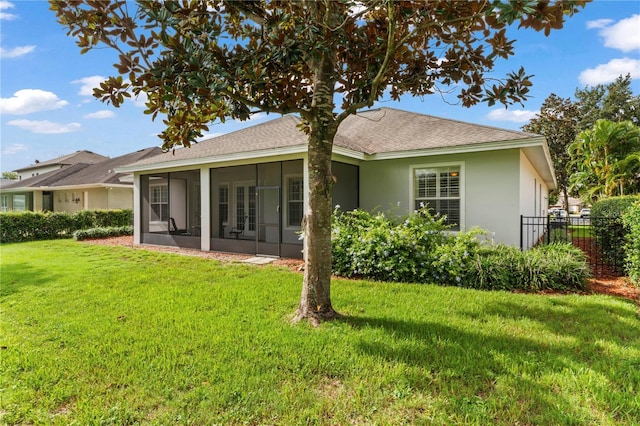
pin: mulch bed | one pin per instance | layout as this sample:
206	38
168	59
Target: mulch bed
610	285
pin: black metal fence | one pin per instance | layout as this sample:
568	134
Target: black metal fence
601	238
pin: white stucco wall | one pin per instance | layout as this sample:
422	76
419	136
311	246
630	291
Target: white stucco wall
533	191
490	196
92	199
533	201
120	198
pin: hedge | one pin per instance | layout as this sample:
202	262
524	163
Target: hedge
31	226
631	219
419	250
115	231
608	227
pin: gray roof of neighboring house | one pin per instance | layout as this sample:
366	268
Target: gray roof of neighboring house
85	157
82	174
370	132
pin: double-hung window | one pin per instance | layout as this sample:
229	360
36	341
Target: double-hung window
159	203
438	190
295	201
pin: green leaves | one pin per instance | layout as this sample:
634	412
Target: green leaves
202	58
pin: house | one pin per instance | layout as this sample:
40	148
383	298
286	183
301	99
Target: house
41	167
247	191
81	181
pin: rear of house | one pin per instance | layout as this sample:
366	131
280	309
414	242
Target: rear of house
246	191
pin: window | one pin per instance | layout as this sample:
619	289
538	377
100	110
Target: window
246	208
438	189
223	204
159	203
5	203
295	201
19	203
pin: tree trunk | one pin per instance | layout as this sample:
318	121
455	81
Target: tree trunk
315	301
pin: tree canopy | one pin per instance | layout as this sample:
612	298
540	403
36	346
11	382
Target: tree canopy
607	160
557	121
201	61
614	102
561	121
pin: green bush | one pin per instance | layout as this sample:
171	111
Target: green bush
556	266
30	226
613	206
608	228
85	234
632	257
373	246
420	250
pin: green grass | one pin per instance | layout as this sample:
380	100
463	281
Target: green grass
581	231
112	335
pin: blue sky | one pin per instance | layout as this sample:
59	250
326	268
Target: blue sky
46	107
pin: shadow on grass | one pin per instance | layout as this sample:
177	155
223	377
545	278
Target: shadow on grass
468	362
16	276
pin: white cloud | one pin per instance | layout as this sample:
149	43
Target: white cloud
517	116
14	148
88	84
6	16
26	101
606	73
624	35
105	113
15	51
599	23
45	126
140	100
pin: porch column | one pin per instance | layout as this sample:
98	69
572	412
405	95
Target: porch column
137	214
205	207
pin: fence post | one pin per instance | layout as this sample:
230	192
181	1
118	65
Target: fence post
521	233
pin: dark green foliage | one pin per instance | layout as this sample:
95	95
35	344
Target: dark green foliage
614	206
373	246
115	231
631	219
419	250
31	226
608	227
556	266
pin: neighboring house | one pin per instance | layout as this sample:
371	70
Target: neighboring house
575	204
77	186
41	167
247	191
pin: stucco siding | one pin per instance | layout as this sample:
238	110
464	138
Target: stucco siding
120	198
489	195
533	191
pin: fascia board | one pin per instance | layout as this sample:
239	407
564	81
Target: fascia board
463	149
192	162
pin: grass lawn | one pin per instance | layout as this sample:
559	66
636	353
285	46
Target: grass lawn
111	335
581	231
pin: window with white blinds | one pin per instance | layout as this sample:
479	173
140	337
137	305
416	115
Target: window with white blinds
438	189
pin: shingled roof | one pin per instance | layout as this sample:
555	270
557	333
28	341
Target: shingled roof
82	174
377	131
78	157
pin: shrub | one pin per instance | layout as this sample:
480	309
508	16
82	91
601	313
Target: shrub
631	219
373	246
116	231
557	266
419	250
29	226
608	228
